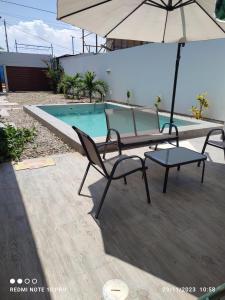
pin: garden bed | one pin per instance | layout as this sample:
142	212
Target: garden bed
45	142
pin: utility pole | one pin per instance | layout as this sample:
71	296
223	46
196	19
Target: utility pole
73	44
52	50
6	36
96	46
16	46
83	39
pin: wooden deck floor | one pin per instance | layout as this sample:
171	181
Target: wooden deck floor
47	231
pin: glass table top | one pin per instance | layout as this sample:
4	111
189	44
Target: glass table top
175	156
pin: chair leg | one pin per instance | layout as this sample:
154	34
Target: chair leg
104	152
146	185
203	151
103	198
105	147
83	180
156	146
125	180
119	150
165	180
177	142
203	171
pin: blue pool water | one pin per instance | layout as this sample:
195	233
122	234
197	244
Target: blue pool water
90	118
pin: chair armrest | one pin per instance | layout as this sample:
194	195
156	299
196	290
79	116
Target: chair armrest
215	130
103	144
119	160
170	126
116	132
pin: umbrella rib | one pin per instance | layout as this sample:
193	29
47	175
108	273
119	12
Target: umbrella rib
118	24
153	3
205	11
163	2
83	9
184	4
177	3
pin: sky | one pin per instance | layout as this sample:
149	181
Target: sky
28	26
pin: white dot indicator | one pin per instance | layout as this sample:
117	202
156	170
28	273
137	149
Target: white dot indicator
19	281
12	280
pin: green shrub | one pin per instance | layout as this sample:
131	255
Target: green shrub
54	72
13	141
71	86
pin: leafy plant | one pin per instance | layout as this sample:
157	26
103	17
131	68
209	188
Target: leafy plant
13	141
203	103
158	100
92	86
71	85
54	73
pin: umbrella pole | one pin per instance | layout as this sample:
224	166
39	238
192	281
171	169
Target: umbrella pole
175	82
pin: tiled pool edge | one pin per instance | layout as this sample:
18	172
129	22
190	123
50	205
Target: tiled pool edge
67	134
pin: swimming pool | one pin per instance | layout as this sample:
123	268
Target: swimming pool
90	118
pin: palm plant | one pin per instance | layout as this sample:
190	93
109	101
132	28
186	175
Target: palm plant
78	84
66	85
92	86
71	85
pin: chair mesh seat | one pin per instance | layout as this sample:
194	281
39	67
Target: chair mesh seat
146	138
125	166
219	144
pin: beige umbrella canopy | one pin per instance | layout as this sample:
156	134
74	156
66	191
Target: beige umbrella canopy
152	21
149	20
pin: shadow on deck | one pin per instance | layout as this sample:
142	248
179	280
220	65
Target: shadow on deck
179	237
19	254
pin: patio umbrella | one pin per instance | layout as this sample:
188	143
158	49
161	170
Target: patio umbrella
149	20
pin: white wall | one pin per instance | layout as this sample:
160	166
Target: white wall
148	71
23	59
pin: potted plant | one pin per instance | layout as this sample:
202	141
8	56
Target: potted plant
128	97
203	103
158	100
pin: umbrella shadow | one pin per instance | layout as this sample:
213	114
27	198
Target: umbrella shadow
178	237
19	255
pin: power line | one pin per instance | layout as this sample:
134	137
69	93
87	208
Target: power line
31	7
25	19
37	36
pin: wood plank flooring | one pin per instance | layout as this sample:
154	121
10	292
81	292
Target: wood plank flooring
47	231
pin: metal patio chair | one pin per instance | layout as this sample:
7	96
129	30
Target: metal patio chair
112	169
137	127
218	144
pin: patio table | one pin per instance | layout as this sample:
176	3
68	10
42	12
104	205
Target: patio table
175	157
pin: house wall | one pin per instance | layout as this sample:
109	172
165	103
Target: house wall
15	59
24	71
148	71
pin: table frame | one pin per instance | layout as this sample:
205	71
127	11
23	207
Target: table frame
178	165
